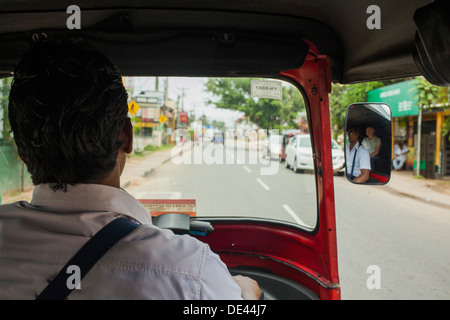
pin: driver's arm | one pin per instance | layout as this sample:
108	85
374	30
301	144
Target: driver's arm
363	177
250	288
218	284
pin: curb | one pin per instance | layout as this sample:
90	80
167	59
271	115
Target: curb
386	187
149	172
425	200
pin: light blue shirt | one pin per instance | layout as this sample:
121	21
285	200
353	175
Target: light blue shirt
362	160
38	238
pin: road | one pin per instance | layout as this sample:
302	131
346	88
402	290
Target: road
406	241
227	188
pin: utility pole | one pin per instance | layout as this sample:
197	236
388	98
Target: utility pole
419	131
166	91
182	100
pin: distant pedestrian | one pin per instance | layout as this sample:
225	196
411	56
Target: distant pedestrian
400	156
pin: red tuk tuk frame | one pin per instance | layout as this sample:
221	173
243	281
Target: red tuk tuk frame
306	257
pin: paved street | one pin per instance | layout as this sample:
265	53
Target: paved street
408	240
236	187
406	237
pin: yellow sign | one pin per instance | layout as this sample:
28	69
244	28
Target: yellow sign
133	107
146	124
162	119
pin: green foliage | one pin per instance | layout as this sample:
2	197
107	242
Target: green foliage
344	95
235	94
148	149
219	125
429	95
446	128
5	136
204	120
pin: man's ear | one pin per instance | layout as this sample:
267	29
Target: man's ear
127	136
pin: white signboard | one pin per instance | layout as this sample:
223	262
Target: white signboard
266	89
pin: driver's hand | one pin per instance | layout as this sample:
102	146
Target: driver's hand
250	288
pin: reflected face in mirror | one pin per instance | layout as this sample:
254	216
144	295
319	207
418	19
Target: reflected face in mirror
353	136
369	143
358	159
370	131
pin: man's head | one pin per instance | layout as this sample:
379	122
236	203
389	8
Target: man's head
67	109
370	131
353	135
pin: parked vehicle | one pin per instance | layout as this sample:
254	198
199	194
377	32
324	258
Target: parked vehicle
271	146
217	137
299	154
286	137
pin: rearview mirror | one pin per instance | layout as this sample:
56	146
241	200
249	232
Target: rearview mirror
368	143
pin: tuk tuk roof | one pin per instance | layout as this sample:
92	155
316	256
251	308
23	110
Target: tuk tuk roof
339	29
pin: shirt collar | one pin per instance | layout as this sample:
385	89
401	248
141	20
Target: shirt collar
355	147
91	197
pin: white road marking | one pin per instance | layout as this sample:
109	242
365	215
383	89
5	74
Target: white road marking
247	169
265	186
293	215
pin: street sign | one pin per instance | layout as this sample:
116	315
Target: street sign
158	207
133	107
399	96
266	89
162	119
184	117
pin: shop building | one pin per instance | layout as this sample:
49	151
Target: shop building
435	146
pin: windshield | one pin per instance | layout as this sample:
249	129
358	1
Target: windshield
208	134
335	145
305	142
275	139
229	176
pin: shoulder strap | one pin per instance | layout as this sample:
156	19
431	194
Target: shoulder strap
353	164
87	256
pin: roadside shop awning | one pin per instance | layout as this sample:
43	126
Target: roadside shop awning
400	97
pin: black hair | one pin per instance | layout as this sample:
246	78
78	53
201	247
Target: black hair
67	108
358	130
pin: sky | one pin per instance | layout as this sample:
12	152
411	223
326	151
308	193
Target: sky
194	96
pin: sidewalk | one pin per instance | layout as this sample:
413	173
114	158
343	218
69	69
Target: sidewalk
433	191
137	168
403	183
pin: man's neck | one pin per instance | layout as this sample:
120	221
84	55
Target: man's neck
112	180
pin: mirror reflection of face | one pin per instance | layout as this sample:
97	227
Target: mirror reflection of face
370	131
352	135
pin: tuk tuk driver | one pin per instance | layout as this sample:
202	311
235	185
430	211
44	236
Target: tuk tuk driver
357	158
68	112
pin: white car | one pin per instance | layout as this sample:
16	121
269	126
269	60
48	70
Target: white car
271	146
299	154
